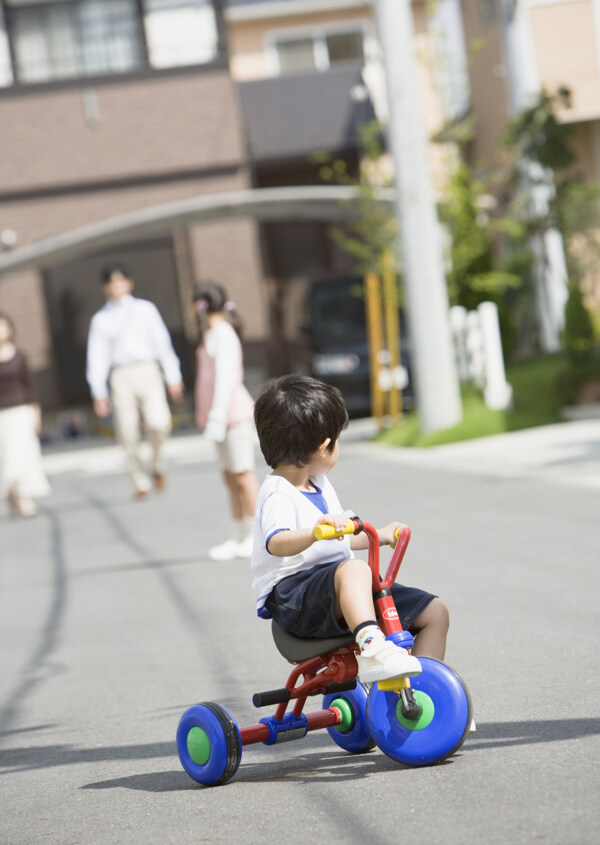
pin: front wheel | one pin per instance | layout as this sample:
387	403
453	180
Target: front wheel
439	730
209	743
352	734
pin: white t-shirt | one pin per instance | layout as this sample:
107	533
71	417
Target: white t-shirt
280	507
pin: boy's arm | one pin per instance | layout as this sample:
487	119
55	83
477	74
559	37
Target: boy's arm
294	542
386	537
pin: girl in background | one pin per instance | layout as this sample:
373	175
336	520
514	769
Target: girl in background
224	410
21	473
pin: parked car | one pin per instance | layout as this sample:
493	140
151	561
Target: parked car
336	343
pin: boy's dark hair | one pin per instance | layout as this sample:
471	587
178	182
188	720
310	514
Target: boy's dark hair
294	414
109	271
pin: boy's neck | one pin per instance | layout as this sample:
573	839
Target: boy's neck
298	477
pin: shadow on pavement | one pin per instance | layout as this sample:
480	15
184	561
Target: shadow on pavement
502	734
313	766
489	735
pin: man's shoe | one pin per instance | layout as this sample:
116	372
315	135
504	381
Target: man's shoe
382	660
142	487
160	481
225	551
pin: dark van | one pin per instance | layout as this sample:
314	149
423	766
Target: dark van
337	351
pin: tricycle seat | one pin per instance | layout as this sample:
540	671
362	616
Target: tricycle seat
297	649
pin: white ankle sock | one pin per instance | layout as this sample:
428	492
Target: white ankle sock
367	634
247	527
237	530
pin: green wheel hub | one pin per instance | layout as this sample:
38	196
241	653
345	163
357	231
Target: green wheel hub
426	716
198	745
346	712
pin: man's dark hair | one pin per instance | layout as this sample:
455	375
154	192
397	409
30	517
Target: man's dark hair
294	414
109	271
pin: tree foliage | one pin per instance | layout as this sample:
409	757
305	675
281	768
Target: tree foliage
370	234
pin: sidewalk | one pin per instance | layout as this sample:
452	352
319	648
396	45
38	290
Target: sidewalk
566	453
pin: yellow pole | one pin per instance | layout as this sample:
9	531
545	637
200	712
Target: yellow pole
392	331
375	339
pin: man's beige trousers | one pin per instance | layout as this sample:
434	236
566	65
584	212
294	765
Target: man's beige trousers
138	396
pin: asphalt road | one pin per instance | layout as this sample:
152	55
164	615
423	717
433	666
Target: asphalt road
113	621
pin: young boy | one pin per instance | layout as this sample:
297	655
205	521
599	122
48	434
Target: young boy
318	588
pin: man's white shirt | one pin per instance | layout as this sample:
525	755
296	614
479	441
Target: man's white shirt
128	332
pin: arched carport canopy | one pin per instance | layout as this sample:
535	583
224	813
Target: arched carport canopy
326	202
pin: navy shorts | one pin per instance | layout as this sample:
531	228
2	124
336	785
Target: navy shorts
304	603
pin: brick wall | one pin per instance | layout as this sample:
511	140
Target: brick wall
146	127
158	140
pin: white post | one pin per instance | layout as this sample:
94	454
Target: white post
434	370
497	392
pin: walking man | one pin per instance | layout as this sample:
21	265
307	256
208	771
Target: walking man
130	358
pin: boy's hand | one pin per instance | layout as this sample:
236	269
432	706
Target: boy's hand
386	534
337	520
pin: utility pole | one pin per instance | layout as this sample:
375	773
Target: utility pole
433	365
550	271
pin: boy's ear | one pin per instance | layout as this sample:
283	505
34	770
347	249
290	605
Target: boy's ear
324	445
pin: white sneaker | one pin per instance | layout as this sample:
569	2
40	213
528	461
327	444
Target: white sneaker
382	660
244	549
225	551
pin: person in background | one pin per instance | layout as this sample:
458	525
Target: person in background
130	357
22	475
224	410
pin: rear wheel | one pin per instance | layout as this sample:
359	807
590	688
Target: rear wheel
209	743
352	734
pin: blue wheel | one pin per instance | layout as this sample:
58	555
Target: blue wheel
441	727
209	744
352	734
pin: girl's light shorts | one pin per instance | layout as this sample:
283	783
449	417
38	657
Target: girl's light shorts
236	452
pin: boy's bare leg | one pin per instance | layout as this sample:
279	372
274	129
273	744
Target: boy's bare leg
354	603
430	629
354	593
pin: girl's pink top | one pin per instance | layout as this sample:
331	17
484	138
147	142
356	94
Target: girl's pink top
220	391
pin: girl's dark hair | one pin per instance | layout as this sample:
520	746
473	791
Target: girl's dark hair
294	415
211	298
11	325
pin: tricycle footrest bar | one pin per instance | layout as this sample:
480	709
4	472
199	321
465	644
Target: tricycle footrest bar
274	696
336	686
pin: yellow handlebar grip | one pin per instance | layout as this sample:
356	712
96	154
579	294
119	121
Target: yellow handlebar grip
328	532
397	534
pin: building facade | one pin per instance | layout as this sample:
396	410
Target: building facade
108	108
112	106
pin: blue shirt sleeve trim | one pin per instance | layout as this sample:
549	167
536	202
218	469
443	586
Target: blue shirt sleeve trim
272	534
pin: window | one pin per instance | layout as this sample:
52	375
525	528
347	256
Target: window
316	50
296	56
75	38
6	76
69	39
180	32
344	47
